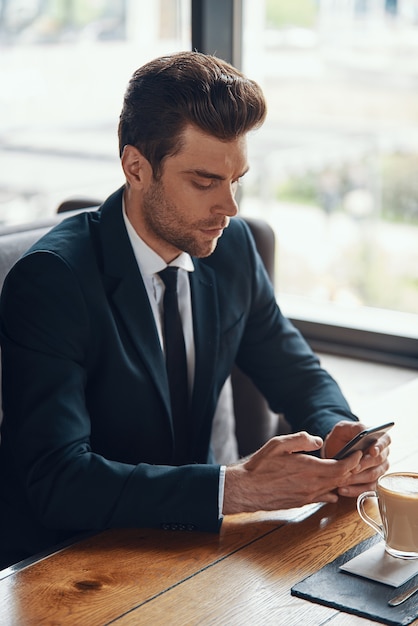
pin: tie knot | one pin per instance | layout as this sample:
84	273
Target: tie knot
169	277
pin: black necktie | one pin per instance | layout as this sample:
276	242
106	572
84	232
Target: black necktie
176	363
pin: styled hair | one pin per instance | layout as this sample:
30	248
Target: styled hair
186	88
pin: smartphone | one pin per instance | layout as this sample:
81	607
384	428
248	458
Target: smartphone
363	440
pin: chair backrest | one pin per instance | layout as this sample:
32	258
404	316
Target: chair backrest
254	423
74	204
12	246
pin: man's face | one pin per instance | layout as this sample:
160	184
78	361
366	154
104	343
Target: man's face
192	202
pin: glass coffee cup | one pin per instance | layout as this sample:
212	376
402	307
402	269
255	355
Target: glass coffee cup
397	496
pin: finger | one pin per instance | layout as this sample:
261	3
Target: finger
300	442
353	491
303	442
328	497
366	481
340	435
379	446
283	445
370	460
351	463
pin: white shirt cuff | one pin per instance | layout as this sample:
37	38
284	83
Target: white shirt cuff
221	491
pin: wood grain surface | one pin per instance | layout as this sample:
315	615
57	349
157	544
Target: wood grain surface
241	576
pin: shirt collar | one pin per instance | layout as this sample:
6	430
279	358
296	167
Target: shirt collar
148	260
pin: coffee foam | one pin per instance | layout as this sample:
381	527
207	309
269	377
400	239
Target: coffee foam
401	483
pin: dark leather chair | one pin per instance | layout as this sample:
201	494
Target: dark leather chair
254	422
74	204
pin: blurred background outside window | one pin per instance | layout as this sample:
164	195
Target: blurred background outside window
64	67
335	168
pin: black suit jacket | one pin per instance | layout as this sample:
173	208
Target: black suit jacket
87	437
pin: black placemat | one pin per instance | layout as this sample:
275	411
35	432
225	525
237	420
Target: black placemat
360	596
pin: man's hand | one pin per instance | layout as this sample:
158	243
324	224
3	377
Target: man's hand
372	463
278	477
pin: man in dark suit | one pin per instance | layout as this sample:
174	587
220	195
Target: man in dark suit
89	438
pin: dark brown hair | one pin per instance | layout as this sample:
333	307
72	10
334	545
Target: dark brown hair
171	92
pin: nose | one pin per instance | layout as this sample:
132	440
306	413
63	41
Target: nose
227	204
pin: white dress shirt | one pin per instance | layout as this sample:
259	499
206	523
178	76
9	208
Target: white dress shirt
150	263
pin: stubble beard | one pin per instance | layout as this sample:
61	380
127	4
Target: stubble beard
163	221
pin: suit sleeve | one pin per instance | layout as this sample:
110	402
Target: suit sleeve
281	363
45	331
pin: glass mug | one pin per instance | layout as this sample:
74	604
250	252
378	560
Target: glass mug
397	496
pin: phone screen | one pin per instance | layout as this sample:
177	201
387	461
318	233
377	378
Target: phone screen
363	440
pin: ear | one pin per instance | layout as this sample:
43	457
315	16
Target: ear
136	167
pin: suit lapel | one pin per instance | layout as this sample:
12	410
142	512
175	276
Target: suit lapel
206	335
127	292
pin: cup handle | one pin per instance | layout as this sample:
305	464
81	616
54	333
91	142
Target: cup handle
360	508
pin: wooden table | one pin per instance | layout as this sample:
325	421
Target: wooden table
241	576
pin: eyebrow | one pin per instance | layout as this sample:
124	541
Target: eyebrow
211	175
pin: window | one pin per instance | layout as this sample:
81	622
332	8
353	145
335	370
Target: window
64	66
334	167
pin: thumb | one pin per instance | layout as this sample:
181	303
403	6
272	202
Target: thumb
283	445
300	442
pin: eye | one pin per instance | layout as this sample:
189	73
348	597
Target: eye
203	186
